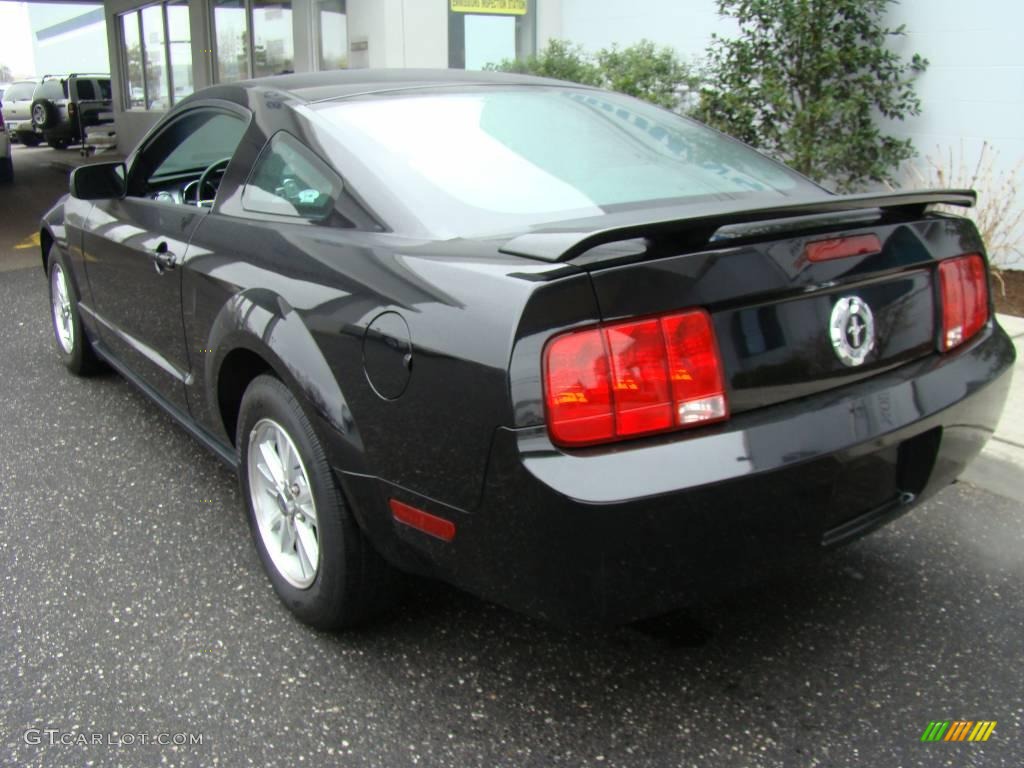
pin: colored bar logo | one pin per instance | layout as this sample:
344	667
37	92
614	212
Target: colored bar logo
958	730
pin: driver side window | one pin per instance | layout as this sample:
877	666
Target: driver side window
174	161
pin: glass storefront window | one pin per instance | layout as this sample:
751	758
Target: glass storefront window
254	38
179	43
232	34
155	58
333	26
135	96
482	33
273	46
156	48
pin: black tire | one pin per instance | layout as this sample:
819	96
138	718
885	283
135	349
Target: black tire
78	356
58	143
44	114
352	582
6	170
30	139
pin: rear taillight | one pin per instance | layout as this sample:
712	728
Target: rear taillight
633	378
963	284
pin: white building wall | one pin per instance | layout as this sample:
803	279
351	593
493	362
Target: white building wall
83	49
397	33
686	25
973	91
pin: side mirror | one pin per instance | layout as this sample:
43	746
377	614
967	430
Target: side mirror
98	181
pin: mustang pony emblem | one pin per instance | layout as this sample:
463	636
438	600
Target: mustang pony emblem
852	330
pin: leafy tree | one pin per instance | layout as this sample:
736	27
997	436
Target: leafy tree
648	72
560	60
806	80
643	70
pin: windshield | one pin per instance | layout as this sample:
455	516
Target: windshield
495	159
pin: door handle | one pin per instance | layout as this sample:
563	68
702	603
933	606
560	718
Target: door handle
163	259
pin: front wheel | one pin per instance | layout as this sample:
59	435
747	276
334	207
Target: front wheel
72	344
29	139
318	560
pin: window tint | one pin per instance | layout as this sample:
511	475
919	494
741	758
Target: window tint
185	148
20	91
86	91
206	137
289	180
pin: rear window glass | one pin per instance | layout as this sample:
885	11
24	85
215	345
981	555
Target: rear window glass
51	89
104	89
20	91
497	159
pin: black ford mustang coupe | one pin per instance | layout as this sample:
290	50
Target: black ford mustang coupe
566	350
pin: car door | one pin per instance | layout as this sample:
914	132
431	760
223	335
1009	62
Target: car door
134	246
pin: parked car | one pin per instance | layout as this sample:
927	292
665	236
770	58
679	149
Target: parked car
17	111
569	351
64	106
6	165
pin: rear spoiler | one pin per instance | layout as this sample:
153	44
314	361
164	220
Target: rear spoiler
697	224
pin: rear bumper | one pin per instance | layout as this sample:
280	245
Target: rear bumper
616	534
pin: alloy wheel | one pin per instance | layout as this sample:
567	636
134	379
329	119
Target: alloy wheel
63	324
283	503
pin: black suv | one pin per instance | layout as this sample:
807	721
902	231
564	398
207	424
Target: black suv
63	106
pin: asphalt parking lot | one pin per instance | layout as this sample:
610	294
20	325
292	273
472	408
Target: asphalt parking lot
132	602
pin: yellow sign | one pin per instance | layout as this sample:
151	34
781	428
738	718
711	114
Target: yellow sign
509	7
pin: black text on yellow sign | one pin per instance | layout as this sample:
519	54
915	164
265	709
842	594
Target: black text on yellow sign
509	7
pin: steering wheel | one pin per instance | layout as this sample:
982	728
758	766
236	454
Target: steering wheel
204	179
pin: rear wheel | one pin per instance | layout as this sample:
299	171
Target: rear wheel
29	139
320	563
72	344
58	143
6	170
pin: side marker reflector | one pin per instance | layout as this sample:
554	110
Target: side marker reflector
432	525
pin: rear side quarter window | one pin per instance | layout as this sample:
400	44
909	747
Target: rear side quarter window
288	179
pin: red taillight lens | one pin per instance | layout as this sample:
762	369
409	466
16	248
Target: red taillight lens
633	378
695	368
640	386
964	287
579	394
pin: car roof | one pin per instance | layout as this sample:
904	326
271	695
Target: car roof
334	84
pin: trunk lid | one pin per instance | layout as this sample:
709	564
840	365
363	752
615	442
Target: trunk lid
781	319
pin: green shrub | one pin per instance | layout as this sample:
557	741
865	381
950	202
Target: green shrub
806	81
560	60
655	74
